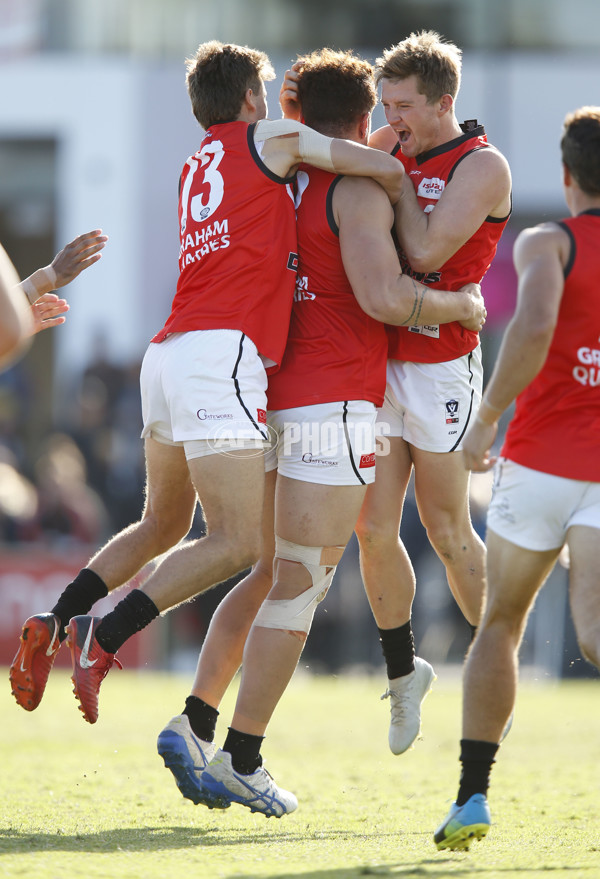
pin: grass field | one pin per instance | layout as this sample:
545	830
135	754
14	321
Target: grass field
96	801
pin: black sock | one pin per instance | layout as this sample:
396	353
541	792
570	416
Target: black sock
202	717
477	759
79	597
132	613
245	751
398	647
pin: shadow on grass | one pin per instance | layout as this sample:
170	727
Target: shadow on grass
157	839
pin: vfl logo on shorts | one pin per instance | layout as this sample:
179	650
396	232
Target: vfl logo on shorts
261	416
367	460
452	412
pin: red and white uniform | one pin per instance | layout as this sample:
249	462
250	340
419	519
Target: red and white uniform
237	255
335	351
322	401
556	424
430	173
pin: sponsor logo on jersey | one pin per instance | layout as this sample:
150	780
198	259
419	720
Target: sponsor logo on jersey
302	292
202	242
292	262
431	187
424	277
452	412
367	460
433	332
415	173
587	372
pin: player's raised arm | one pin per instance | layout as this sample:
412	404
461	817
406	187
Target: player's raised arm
285	144
68	263
288	94
383	138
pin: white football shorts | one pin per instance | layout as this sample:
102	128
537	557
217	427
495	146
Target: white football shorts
328	443
430	405
535	510
205	390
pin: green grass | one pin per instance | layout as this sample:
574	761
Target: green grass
96	801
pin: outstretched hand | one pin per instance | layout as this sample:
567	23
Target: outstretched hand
48	311
77	256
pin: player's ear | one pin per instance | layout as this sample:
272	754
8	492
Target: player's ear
567	178
445	104
365	127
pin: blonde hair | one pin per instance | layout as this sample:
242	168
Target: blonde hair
426	55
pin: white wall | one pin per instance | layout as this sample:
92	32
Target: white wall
522	100
123	133
125	129
86	106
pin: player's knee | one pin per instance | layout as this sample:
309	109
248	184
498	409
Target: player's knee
262	570
504	621
451	538
374	536
166	530
295	614
246	550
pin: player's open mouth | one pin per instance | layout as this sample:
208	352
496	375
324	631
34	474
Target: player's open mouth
403	135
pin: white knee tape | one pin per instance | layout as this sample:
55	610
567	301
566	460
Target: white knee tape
296	614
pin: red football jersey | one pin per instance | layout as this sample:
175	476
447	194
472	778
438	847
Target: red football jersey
237	258
556	424
335	351
430	172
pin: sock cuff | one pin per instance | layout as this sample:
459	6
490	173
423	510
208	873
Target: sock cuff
93	581
478	751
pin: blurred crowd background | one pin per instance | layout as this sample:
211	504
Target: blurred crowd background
94	128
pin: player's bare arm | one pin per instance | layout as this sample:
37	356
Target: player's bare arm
383	138
480	187
539	255
284	144
364	217
15	315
